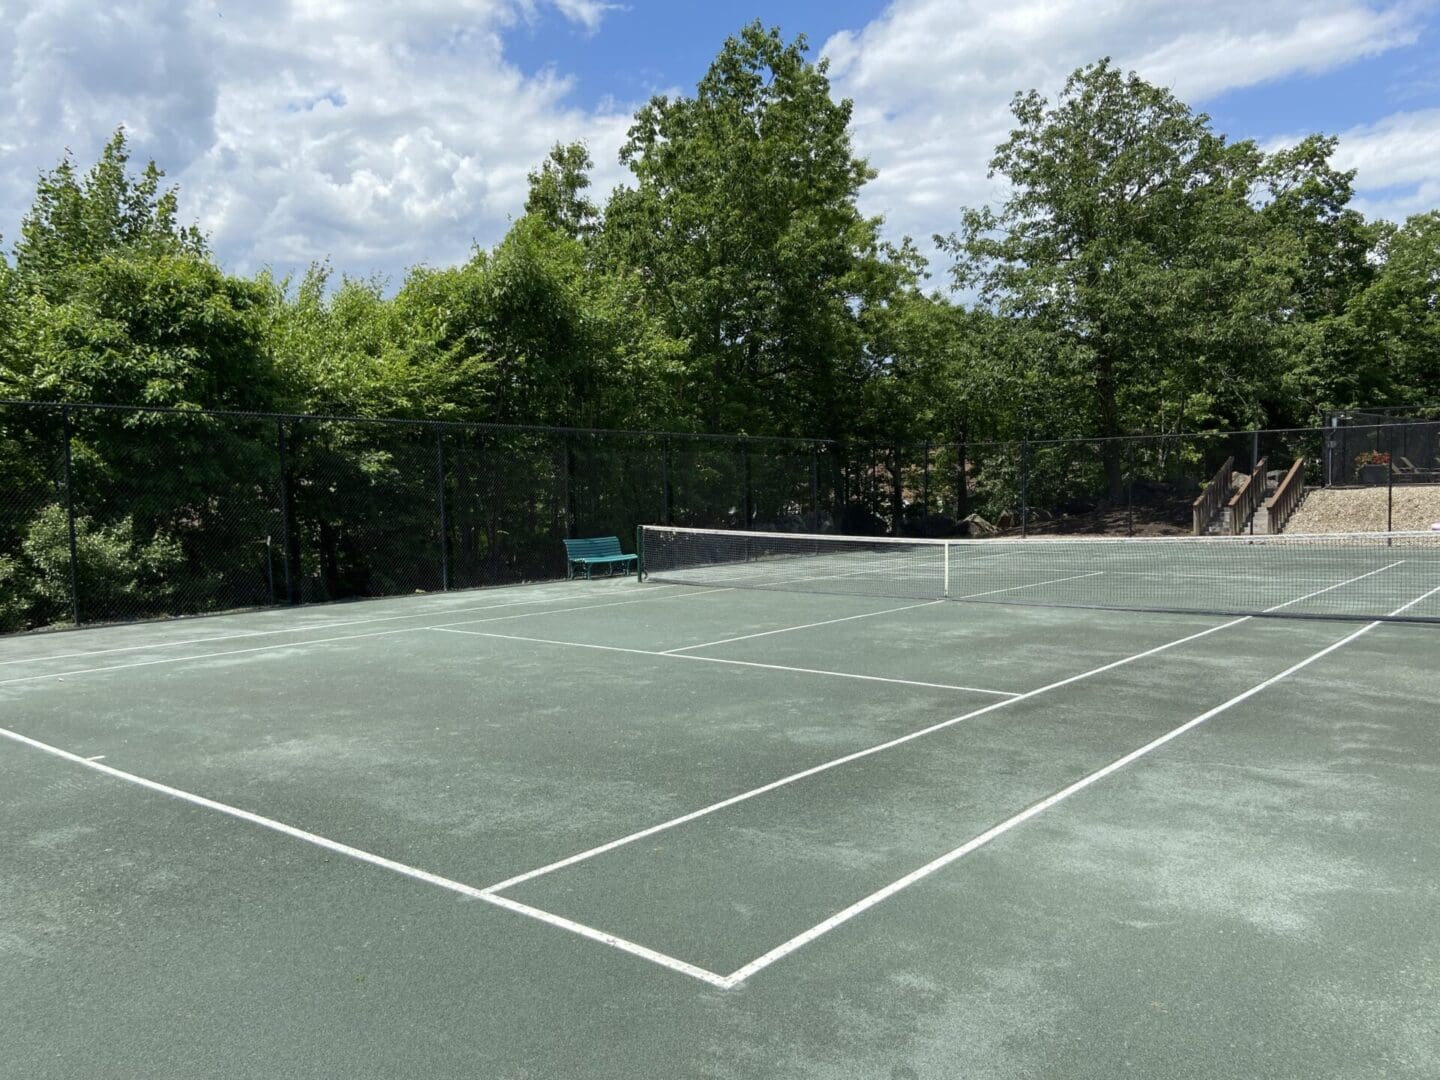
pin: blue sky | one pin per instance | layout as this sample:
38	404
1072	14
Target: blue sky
381	136
650	46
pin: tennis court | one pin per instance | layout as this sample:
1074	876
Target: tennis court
832	826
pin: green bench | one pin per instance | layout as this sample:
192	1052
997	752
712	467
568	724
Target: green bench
595	550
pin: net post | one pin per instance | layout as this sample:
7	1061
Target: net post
639	554
945	548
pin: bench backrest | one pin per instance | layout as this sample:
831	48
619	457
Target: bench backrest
594	547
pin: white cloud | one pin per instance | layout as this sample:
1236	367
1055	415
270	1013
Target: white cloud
1396	163
376	135
932	80
384	135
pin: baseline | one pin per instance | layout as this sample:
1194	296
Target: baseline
361	855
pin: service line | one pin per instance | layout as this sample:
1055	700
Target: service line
994	832
298	629
725	660
342	637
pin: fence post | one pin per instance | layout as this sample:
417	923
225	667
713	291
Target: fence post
1024	489
925	488
1389	494
814	488
440	501
70	518
569	508
749	505
287	548
665	478
1130	490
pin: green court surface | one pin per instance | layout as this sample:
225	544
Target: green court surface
602	829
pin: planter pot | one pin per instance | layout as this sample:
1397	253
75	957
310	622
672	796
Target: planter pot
1374	474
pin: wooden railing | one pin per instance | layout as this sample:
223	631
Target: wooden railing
1207	505
1282	504
1246	501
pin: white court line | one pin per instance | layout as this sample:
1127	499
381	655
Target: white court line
205	656
996	831
806	626
665	960
489	894
361	855
291	629
723	660
825	766
1032	585
903	739
330	640
1339	585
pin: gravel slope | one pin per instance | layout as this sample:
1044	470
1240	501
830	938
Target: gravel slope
1362	509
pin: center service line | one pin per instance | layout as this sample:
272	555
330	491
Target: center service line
994	832
881	747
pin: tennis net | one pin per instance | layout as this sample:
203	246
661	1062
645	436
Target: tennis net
1351	576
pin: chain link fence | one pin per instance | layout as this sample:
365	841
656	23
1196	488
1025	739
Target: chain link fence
1380	475
110	514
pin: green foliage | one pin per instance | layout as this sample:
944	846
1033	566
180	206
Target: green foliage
744	230
1398	314
76	220
155	329
1131	241
16	595
115	566
557	192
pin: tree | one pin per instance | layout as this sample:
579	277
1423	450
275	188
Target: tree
743	231
75	221
111	301
557	192
1327	247
1132	243
1398	314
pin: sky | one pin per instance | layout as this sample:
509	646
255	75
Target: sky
377	136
